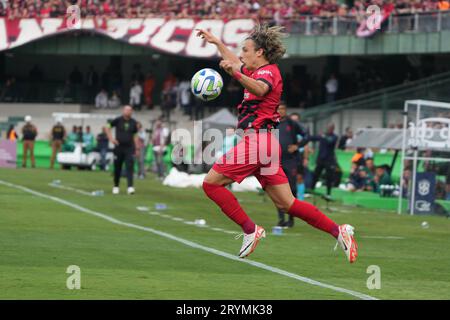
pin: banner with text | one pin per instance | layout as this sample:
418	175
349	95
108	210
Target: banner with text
176	36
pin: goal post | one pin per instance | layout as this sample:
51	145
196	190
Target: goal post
425	165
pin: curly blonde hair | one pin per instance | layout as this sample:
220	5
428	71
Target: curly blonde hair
270	40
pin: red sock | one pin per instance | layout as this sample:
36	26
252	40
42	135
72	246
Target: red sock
314	217
229	205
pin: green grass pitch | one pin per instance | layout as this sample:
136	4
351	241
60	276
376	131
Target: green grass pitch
40	238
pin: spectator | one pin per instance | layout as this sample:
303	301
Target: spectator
114	102
358	157
29	133
369	154
345	139
444	5
58	134
271	10
332	86
406	177
88	139
371	166
102	147
135	95
361	180
381	178
71	139
11	135
79	134
101	100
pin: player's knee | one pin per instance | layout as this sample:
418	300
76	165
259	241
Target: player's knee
283	205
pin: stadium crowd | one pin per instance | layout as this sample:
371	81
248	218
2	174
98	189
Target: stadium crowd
276	10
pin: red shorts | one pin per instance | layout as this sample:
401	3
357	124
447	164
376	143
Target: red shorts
257	154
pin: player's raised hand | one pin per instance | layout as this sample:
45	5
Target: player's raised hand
229	66
208	36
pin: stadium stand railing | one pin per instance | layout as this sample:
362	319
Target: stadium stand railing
392	98
434	21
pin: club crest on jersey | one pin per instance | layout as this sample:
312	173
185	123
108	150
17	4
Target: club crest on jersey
246	95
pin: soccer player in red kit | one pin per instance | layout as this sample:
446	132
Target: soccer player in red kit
257	72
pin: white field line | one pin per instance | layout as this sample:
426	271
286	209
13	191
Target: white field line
70	189
235	232
192	223
191	244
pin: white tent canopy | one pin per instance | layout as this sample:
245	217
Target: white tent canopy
220	120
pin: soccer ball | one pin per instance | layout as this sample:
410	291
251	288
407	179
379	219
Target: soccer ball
207	84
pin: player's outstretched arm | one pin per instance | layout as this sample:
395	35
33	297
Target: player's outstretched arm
226	53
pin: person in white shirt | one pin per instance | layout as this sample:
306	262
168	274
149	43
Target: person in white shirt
135	95
114	102
101	100
332	87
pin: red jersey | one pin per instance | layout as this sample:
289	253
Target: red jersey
261	112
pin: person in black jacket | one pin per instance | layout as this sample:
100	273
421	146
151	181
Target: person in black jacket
326	158
289	142
125	147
